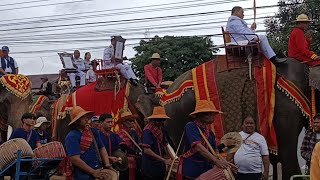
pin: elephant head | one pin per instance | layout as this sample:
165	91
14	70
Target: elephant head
13	107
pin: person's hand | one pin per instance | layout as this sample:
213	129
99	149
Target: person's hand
309	36
317	58
168	162
254	26
265	176
230	142
98	174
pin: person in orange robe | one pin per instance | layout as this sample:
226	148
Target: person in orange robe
299	43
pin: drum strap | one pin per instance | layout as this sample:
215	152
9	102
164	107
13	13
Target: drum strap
226	171
132	140
96	147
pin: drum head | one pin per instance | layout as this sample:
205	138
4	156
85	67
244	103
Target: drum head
234	136
125	162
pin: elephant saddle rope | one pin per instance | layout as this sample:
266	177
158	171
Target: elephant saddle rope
17	84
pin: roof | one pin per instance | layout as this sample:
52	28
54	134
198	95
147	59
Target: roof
36	81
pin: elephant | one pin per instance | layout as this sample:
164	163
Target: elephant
61	125
13	107
288	119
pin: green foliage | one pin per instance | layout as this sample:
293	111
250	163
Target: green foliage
178	54
280	26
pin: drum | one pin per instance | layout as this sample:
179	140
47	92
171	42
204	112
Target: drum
111	174
50	150
124	164
216	174
8	151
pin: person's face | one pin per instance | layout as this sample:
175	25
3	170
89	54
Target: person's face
129	123
156	62
248	125
316	125
76	54
159	122
5	53
206	117
83	121
29	121
107	124
240	13
88	57
305	25
44	126
96	124
113	41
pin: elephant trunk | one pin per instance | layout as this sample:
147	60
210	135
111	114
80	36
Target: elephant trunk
16	108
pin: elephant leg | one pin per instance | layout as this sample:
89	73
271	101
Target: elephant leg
274	161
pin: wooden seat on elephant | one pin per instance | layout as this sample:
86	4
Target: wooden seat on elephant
238	53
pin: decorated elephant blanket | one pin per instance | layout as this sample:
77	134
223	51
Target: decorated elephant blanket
17	84
100	101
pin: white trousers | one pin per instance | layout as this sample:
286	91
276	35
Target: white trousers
82	76
265	47
125	70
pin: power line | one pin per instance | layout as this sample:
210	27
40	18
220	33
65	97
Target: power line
26	2
129	20
42	5
104	32
123	12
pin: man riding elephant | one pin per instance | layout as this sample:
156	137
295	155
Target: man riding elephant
299	44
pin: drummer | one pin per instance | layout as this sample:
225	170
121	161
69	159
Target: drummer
87	154
41	128
155	149
110	139
197	158
130	141
26	132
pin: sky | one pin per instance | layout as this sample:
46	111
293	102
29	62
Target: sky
36	30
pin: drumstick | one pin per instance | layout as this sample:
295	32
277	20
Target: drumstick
254	11
171	166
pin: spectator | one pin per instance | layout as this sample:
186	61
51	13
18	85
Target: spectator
8	64
41	128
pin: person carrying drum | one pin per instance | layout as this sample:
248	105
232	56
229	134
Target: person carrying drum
41	128
155	149
197	158
26	132
130	141
110	139
85	148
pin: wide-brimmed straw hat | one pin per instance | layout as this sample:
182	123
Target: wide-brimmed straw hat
158	113
126	116
40	121
303	18
155	56
205	106
77	112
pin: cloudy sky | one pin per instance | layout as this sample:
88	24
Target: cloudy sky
36	30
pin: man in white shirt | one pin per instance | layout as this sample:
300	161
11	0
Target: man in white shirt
8	64
252	158
236	24
109	62
79	64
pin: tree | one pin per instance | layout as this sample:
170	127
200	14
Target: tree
178	54
280	26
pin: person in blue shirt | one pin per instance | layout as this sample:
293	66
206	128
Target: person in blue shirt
26	132
155	156
95	122
197	158
85	148
110	139
41	128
